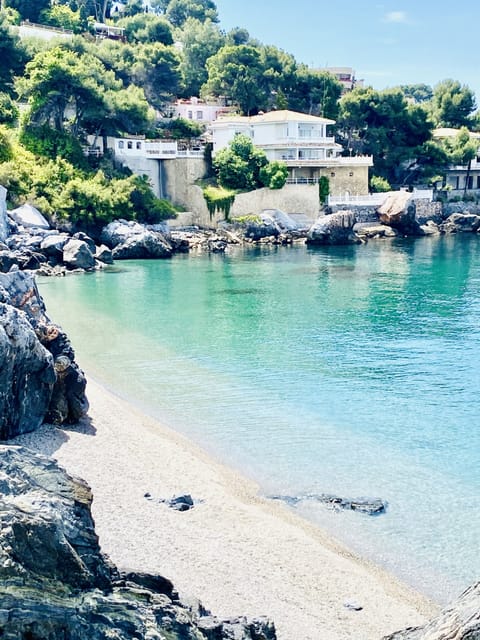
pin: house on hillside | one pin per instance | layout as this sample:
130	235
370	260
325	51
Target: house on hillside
345	76
302	142
459	179
196	110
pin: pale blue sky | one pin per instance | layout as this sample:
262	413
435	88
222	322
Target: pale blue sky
387	43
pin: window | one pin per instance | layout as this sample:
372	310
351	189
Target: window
139	145
129	144
120	144
190	115
332	174
478	182
351	174
470	182
199	115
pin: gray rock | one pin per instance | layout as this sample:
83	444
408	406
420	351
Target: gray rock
85	238
145	245
118	231
4	230
461	223
77	255
53	245
104	254
399	211
369	506
55	583
458	621
41	378
374	230
28	216
333	229
27	375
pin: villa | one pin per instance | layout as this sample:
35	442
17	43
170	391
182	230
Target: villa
302	142
461	178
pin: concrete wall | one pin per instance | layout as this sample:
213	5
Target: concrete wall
3	214
351	179
293	198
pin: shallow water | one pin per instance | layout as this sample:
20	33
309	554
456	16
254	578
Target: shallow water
347	370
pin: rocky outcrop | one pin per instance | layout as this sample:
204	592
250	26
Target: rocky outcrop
77	254
369	506
461	223
55	583
134	240
458	621
39	378
333	229
28	216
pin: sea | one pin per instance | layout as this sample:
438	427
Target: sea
351	371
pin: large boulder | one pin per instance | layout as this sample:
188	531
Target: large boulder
78	255
4	229
118	231
398	211
55	582
28	216
27	374
461	223
42	379
53	245
333	229
458	621
147	244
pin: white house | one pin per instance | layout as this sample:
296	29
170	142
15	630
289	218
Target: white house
197	110
461	178
302	142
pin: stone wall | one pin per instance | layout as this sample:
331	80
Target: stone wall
293	198
3	214
351	179
425	210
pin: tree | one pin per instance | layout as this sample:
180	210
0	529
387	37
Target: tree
29	9
461	150
12	56
274	175
237	36
145	27
278	75
379	185
178	11
238	166
383	124
237	73
60	15
419	93
452	104
156	70
8	110
315	92
200	41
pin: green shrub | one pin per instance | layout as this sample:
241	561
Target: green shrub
323	189
52	143
219	199
274	175
379	184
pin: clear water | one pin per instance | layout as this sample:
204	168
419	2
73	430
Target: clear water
352	371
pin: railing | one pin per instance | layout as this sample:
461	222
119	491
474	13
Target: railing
373	199
422	194
45	27
302	181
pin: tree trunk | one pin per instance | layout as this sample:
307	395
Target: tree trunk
469	167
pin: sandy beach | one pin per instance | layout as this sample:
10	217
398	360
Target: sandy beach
236	552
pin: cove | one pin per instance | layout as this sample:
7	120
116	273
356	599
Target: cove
348	370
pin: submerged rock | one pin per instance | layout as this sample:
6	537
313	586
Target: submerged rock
370	506
55	583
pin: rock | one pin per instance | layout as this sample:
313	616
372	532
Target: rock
4	230
180	503
33	345
118	231
216	245
461	223
85	238
148	244
55	582
264	227
53	245
27	375
333	229
458	621
398	211
374	230
104	254
352	605
77	255
28	216
369	506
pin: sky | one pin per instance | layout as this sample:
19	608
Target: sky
387	43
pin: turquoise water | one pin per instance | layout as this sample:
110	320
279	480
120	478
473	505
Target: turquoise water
350	370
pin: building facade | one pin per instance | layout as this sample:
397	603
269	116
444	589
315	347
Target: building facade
461	179
302	142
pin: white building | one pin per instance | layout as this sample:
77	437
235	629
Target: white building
460	179
197	110
302	142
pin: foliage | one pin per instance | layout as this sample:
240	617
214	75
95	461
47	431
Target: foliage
379	185
323	189
462	148
219	199
237	72
419	93
180	128
6	151
452	104
200	41
238	166
59	15
12	56
8	110
42	140
383	124
155	69
315	92
274	175
178	11
145	27
29	9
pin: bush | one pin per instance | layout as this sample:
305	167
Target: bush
379	184
274	175
238	166
219	199
6	150
51	143
323	189
8	110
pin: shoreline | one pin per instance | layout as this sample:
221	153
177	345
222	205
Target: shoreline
237	552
